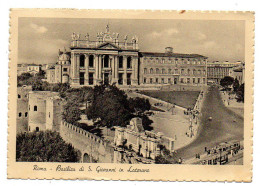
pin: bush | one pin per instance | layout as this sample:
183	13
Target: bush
44	147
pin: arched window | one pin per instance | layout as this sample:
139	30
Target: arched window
106	61
157	71
163	71
151	71
37	129
20	114
120	62
35	108
129	62
145	70
82	61
169	71
26	114
194	72
188	71
91	61
19	96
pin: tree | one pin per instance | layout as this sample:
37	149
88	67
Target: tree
44	147
71	112
111	107
226	82
240	93
235	85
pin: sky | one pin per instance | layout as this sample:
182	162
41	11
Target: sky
39	39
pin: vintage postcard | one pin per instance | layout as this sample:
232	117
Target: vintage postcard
131	95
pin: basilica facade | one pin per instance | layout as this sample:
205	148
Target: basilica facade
108	60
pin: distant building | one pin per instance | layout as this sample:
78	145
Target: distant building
21	68
108	60
145	143
33	68
238	73
218	70
28	68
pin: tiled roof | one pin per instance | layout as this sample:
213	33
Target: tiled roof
178	55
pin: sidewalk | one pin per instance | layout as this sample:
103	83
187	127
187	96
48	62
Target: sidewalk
230	102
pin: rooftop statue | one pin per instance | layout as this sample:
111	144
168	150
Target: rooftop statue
107	28
126	38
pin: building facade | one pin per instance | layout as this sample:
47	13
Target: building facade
238	72
144	143
45	111
22	108
108	60
218	70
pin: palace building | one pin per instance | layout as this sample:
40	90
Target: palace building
109	60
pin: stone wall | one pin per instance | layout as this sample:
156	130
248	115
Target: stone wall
87	143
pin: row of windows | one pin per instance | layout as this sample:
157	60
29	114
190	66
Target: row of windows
175	61
175	80
105	61
25	114
35	108
19	96
174	71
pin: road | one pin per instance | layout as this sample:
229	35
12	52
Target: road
225	126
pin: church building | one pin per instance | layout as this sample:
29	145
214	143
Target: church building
109	60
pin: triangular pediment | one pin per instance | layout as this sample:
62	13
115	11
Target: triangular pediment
107	46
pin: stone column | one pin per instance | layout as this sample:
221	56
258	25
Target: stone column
72	72
125	70
100	68
135	70
96	69
86	69
76	70
113	69
116	69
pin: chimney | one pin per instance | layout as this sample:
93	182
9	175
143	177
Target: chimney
169	50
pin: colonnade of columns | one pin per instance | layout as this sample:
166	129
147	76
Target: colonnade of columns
99	71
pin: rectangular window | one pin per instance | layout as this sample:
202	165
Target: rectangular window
188	80
151	80
91	79
144	80
65	69
169	80
198	80
120	78
162	80
182	80
194	80
156	80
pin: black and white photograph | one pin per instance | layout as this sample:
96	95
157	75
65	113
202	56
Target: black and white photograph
130	91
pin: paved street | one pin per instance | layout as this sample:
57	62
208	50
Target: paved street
225	126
